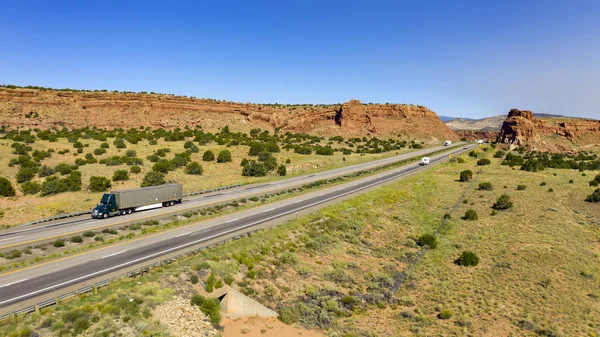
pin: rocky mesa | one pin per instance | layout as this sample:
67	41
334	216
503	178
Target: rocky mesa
35	108
521	128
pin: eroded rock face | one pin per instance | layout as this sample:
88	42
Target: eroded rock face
521	129
108	110
472	135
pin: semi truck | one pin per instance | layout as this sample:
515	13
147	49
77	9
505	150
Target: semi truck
137	199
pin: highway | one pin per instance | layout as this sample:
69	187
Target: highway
49	231
33	282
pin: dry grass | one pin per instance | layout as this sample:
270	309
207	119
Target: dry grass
22	208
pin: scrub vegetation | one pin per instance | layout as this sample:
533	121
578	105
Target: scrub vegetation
48	172
382	264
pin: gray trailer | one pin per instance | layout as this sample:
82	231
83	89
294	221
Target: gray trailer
137	199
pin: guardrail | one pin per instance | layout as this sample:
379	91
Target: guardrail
70	215
130	273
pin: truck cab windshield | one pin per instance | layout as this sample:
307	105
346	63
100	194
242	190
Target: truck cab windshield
104	200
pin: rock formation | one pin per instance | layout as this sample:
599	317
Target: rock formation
521	129
35	108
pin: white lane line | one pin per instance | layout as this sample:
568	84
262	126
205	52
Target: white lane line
14	237
268	210
75	280
9	284
301	200
184	234
104	257
232	220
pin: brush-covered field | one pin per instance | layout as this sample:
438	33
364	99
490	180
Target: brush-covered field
50	171
364	267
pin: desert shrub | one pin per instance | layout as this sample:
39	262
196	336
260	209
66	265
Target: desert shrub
120	175
31	187
503	203
209	306
89	234
59	243
6	188
543	183
445	314
521	187
180	160
208	156
460	160
468	259
153	179
131	153
499	154
25	174
99	184
254	169
466	175
104	146
76	239
162	166
194	279
550	190
55	185
99	151
119	143
483	161
485	186
428	240
244	162
135	169
471	214
281	170
194	168
302	150
594	197
571	181
210	282
224	156
45	171
324	151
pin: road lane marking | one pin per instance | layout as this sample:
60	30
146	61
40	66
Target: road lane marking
75	280
10	284
14	237
232	220
184	234
104	257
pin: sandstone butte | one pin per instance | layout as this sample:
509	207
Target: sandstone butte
34	108
521	128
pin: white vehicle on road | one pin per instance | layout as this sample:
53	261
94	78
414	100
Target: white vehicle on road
424	161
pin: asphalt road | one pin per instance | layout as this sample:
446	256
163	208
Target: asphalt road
44	232
32	282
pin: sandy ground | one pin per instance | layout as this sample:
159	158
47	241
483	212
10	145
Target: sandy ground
257	326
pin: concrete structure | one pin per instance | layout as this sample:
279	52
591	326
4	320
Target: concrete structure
236	304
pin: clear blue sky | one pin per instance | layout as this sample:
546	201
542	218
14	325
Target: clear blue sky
459	58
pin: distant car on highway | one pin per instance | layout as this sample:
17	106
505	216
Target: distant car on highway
424	161
466	147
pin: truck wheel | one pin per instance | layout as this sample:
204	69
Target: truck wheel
105	215
171	203
129	211
123	212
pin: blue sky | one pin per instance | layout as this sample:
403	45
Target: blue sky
459	58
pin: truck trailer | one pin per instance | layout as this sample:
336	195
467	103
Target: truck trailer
137	199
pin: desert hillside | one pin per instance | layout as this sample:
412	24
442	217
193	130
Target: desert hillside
521	128
36	108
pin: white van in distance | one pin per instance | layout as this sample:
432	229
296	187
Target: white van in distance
424	161
447	143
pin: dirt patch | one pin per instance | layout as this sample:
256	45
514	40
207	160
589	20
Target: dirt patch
257	326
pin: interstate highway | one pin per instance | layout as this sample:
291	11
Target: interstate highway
18	286
45	232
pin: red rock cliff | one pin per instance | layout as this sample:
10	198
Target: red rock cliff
50	108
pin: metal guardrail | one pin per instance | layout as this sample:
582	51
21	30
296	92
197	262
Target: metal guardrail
104	283
70	215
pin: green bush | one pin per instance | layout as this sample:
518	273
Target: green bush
120	175
89	234
503	203
486	186
543	183
471	214
281	170
224	156
445	314
6	188
483	161
25	174
210	283
135	169
45	171
99	184
594	197
194	279
104	146
499	154
153	179
131	153
99	151
209	306
466	175
428	240
208	156
460	160
254	169
194	168
59	243
521	187
468	259
31	187
163	166
76	239
119	143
